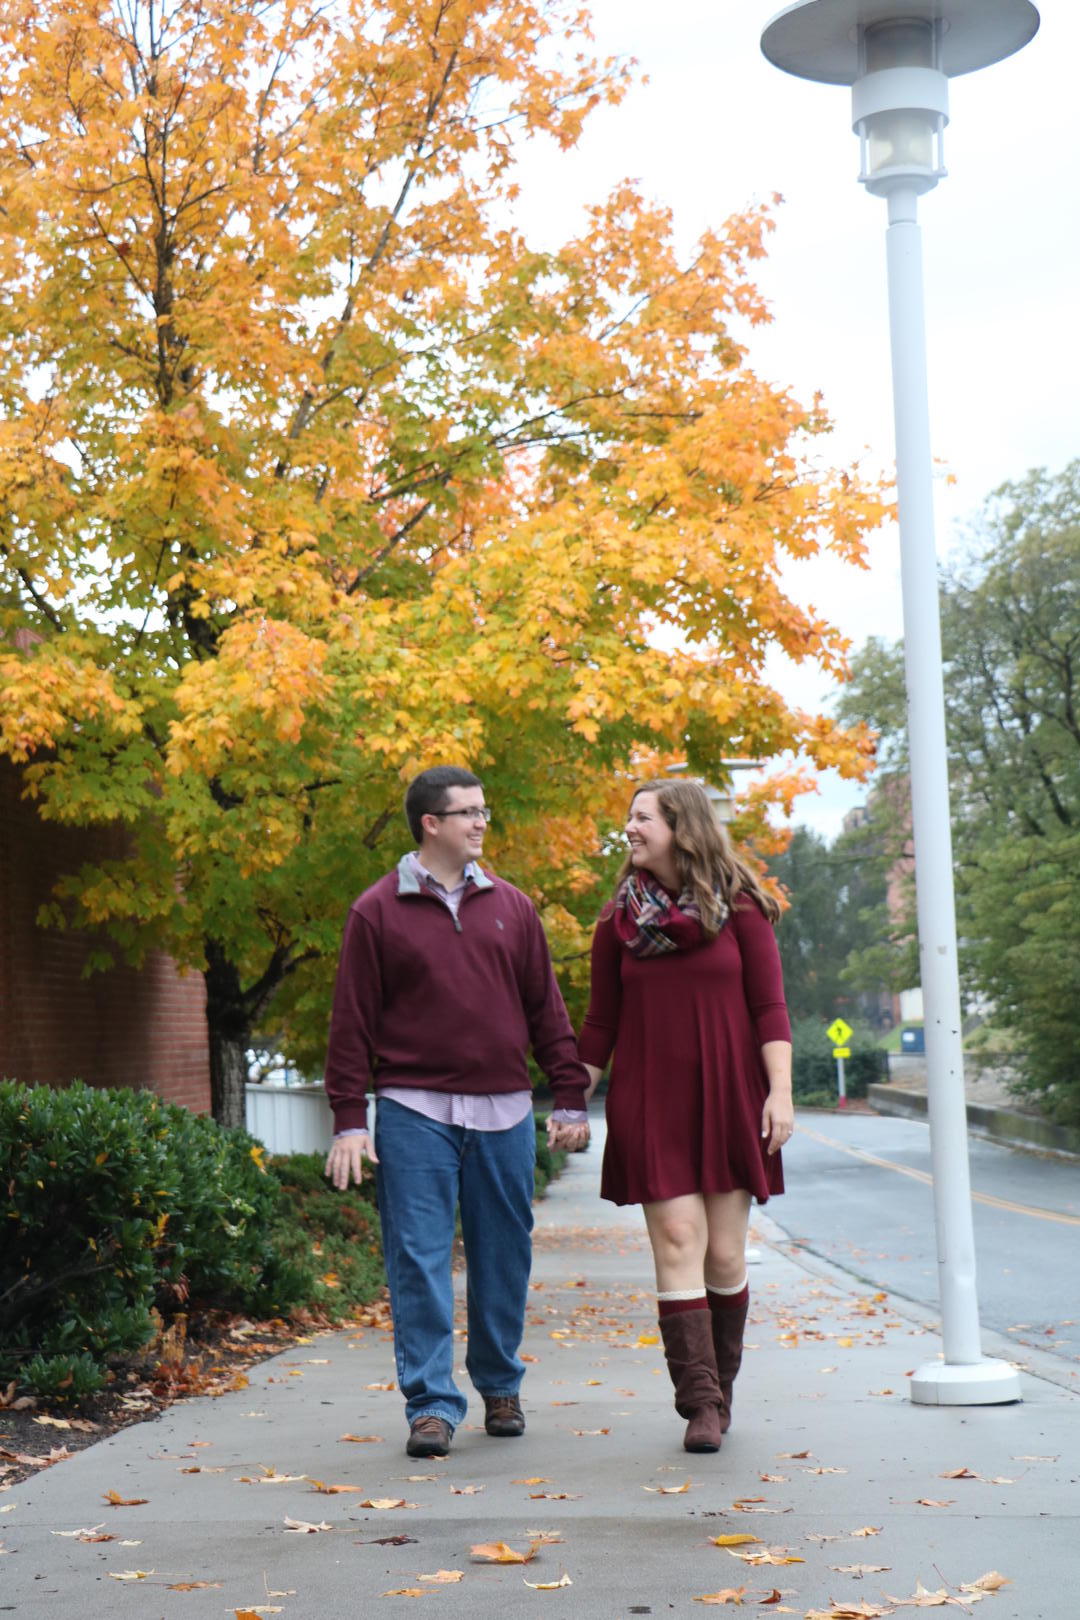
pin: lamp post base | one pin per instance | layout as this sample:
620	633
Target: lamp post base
979	1383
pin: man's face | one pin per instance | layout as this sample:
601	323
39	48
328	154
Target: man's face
458	837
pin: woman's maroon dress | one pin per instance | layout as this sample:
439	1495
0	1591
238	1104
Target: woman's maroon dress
687	1083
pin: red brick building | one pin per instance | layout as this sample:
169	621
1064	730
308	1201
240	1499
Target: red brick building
124	1027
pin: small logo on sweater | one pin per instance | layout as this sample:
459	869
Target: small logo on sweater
498	922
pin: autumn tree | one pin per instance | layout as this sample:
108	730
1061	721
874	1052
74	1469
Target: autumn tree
314	473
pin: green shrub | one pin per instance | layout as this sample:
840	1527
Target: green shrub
814	1067
550	1162
329	1239
120	1204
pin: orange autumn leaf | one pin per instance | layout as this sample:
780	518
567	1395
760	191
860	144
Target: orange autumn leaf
362	1439
114	1499
409	1591
382	1503
323	1489
444	1577
729	1594
192	1586
498	1552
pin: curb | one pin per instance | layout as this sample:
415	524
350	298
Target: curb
1001	1125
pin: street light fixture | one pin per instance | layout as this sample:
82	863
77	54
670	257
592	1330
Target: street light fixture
898	57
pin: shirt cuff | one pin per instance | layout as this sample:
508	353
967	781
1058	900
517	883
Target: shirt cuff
570	1116
351	1130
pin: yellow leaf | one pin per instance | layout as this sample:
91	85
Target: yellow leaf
733	1540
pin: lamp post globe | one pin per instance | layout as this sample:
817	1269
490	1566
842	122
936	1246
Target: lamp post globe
898	56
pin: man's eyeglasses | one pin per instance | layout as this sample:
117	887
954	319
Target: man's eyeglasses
475	812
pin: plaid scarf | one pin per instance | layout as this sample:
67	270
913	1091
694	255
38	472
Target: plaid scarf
650	923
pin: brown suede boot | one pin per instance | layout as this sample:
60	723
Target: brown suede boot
692	1364
728	1330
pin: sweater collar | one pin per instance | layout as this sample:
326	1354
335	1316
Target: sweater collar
408	876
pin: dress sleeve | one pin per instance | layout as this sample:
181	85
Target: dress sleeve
597	1040
763	980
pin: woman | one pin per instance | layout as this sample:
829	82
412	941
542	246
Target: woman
687	990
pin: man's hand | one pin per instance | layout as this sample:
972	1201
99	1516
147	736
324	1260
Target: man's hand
573	1138
345	1161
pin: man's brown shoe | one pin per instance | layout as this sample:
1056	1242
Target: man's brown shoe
503	1416
429	1436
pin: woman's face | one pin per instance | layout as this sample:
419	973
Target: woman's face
651	840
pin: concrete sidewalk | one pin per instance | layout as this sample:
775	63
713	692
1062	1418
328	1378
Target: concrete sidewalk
828	1464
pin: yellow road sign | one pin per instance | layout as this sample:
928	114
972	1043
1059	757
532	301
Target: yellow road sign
841	1051
839	1032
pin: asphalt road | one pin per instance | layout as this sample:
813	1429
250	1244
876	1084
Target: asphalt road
859	1195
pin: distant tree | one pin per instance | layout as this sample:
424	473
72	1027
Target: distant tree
1011	642
833	937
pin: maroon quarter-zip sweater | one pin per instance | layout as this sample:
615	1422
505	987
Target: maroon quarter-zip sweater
446	1004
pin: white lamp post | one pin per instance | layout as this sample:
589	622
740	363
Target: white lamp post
898	57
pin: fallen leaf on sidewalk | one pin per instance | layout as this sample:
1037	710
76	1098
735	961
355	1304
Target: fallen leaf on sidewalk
959	1473
669	1490
881	1392
191	1586
554	1496
129	1574
930	1501
381	1503
444	1577
466	1490
550	1586
590	1431
409	1591
381	1386
767	1557
825	1470
644	1339
497	1552
867	1530
90	1533
321	1488
848	1611
734	1540
793	1456
537	1479
362	1439
730	1594
991	1582
114	1499
301	1527
859	1570
257	1610
924	1599
269	1476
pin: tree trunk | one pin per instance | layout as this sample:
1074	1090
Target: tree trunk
228	1027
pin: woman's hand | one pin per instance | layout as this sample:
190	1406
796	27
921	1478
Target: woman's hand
777	1121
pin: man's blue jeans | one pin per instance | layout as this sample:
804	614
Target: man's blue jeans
425	1172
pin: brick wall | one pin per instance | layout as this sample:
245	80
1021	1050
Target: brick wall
125	1027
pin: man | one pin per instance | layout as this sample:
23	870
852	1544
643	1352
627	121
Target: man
444	982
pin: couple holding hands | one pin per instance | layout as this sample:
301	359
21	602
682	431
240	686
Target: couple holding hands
445	984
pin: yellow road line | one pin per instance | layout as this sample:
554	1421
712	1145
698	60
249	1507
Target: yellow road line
921	1175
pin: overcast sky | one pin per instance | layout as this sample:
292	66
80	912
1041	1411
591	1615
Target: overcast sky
717	128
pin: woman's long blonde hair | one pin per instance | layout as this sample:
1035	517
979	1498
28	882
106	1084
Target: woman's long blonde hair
705	858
